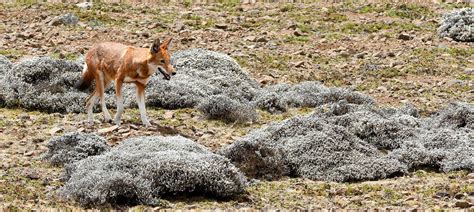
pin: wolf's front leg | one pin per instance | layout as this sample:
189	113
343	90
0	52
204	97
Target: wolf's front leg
119	101
141	104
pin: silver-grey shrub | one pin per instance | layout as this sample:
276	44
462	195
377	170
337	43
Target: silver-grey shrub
200	74
458	25
443	149
73	147
277	98
44	84
347	142
5	65
142	170
223	108
310	147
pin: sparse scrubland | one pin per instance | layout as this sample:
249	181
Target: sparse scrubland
294	106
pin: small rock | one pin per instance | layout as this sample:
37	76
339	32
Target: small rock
382	88
262	39
32	175
56	21
405	36
470	175
361	55
46	182
107	129
145	34
122	131
154	25
344	54
84	5
462	204
298	64
441	194
168	114
30	153
134	127
298	32
291	25
266	79
179	27
250	38
379	54
469	70
66	19
458	196
221	26
56	130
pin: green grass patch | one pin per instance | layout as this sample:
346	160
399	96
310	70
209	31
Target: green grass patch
409	11
297	39
370	9
357	28
333	15
368	85
12	53
287	8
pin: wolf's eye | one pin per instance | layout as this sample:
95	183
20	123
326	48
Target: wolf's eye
162	61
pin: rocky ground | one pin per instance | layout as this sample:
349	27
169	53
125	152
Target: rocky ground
390	52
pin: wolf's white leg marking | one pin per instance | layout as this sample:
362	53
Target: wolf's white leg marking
89	108
141	105
84	69
107	116
118	115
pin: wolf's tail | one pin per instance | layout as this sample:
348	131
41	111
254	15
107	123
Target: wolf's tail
86	79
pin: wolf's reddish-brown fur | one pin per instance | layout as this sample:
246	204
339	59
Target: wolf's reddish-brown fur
107	62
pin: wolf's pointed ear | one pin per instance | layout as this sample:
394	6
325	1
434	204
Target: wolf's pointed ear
166	43
155	47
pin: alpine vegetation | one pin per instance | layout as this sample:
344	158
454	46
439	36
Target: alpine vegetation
142	170
5	65
200	74
277	98
347	142
458	25
73	147
223	108
45	84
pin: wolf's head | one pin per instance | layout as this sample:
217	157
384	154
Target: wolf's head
160	58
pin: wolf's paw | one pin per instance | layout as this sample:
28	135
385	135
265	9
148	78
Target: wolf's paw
107	118
146	123
117	122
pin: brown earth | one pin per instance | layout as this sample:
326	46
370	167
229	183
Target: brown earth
390	52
